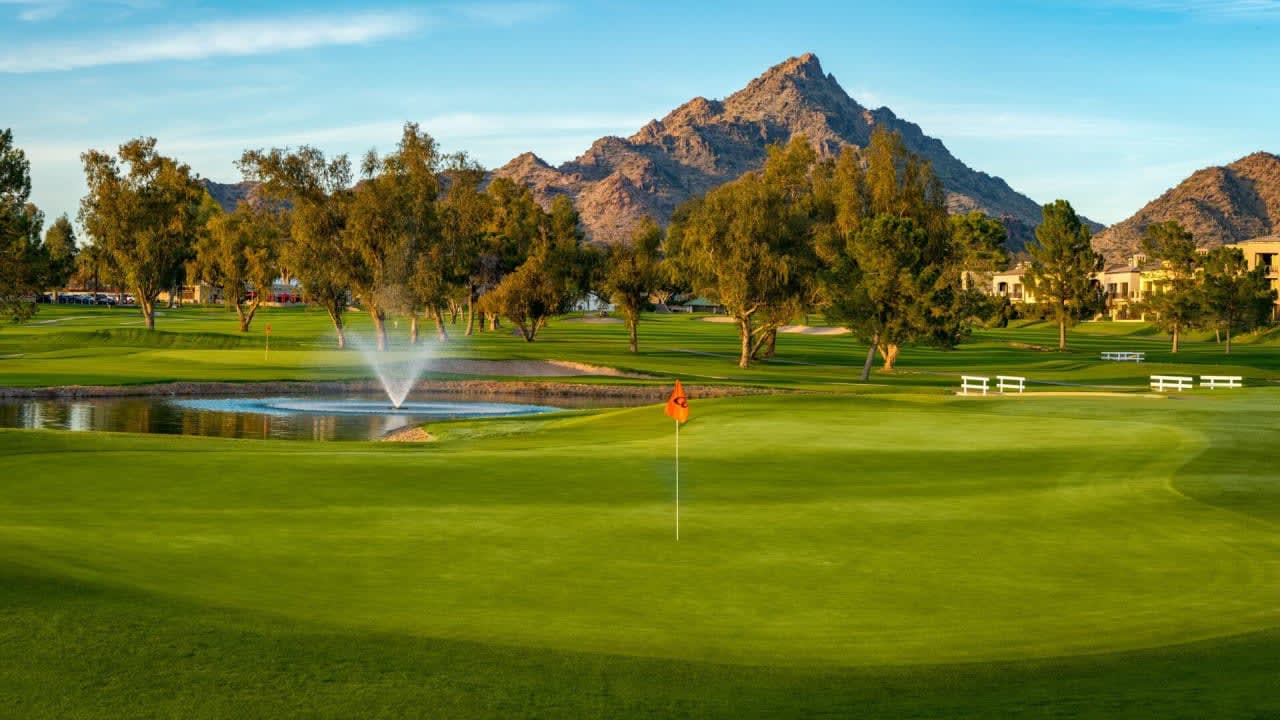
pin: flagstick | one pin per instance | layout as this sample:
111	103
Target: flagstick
677	481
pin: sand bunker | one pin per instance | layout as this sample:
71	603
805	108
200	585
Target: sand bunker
790	329
522	368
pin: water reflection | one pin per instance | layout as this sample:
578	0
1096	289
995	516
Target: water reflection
182	417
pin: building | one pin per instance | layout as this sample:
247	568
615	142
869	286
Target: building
1264	252
1011	284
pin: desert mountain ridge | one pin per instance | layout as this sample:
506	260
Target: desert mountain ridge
704	143
1219	205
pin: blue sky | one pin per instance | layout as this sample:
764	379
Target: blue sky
1104	102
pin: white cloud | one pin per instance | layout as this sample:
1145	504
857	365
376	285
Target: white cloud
206	40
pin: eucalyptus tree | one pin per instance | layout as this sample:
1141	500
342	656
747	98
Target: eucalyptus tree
1063	263
61	249
464	216
1177	301
893	273
552	275
633	271
514	224
747	244
23	262
145	210
241	250
317	192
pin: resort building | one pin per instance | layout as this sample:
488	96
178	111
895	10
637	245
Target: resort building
1011	284
1264	252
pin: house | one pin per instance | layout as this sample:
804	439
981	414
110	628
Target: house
703	305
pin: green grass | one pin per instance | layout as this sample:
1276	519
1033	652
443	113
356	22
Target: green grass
847	553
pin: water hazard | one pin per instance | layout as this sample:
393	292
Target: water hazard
294	418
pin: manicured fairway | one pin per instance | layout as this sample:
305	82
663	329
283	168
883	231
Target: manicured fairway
908	555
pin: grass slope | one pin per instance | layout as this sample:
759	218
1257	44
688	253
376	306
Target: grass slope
905	555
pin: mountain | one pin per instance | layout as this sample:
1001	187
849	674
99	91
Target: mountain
1219	205
704	143
229	195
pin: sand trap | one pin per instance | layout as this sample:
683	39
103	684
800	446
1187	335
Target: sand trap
595	320
810	330
791	329
522	368
1066	393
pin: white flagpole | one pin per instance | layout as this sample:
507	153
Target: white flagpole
677	481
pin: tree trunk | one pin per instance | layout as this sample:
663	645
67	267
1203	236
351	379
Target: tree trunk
1228	334
1062	335
744	335
471	314
633	324
871	358
246	315
493	322
335	315
441	333
379	328
148	308
771	343
453	312
413	328
1175	338
889	351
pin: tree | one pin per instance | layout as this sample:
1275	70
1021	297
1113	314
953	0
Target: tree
515	224
240	250
318	191
1177	301
979	245
464	214
1236	299
146	215
551	277
1063	262
93	268
633	270
894	262
23	262
747	244
392	220
60	246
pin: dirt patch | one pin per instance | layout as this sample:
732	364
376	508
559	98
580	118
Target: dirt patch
1068	393
1031	346
408	434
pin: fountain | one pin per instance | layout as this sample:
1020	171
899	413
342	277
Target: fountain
397	379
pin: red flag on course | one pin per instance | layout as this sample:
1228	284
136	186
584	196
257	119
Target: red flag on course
678	404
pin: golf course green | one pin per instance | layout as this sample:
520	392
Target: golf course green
846	549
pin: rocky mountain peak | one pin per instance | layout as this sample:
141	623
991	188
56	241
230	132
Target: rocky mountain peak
704	143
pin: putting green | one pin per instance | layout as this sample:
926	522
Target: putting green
816	530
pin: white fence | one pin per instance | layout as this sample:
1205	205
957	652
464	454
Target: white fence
1160	383
1010	382
973	382
1124	356
1221	381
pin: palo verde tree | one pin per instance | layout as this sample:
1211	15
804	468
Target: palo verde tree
145	210
241	250
893	271
1236	299
23	262
1177	300
633	270
60	246
317	192
747	244
1063	262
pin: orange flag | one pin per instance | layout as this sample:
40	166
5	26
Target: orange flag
678	404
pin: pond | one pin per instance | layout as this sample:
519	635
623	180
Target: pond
350	417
